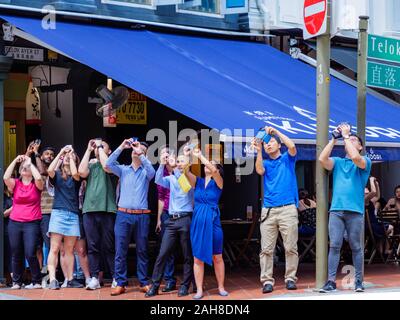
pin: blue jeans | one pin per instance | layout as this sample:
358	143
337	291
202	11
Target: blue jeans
169	266
125	224
24	239
352	223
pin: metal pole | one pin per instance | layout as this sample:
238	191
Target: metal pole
361	77
5	64
323	97
362	93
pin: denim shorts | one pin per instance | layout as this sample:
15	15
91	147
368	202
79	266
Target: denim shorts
65	223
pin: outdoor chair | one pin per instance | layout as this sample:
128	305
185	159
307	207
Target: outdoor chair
376	243
306	242
392	217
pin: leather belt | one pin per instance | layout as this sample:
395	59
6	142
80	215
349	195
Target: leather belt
284	205
131	211
176	216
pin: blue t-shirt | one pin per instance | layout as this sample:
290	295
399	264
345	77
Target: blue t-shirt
280	183
349	182
66	193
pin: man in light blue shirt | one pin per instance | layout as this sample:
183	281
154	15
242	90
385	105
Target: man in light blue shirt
350	176
133	214
176	227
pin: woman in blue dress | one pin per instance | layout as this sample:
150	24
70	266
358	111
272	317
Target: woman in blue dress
205	230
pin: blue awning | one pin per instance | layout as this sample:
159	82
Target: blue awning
224	84
308	152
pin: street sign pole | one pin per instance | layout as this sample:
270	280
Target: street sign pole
323	97
361	77
362	95
5	65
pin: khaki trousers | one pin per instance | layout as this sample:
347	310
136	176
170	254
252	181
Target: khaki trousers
283	220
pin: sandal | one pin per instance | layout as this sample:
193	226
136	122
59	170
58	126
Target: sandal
198	296
223	293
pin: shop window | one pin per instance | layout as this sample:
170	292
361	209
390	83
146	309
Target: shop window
220	7
205	6
129	2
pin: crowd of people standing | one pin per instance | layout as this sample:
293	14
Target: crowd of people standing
86	210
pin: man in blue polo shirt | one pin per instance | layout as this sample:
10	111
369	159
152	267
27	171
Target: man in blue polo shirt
279	212
133	214
350	176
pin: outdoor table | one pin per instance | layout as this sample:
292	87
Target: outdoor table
235	247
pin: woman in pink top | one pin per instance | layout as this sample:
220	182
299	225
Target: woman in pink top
24	224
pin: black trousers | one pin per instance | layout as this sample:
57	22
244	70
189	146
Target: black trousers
175	230
44	227
99	230
24	238
7	249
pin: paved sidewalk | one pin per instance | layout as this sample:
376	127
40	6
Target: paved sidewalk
242	284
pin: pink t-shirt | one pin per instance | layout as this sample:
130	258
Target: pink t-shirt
26	202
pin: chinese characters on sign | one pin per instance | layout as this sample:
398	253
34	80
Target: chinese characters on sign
383	76
134	111
32	102
20	53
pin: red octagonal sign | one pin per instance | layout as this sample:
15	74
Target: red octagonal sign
314	14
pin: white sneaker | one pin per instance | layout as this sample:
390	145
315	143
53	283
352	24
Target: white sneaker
65	284
15	286
45	280
93	284
87	281
33	286
114	284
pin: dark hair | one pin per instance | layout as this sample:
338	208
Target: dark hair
220	168
144	143
106	141
304	195
359	138
48	149
397	187
278	140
